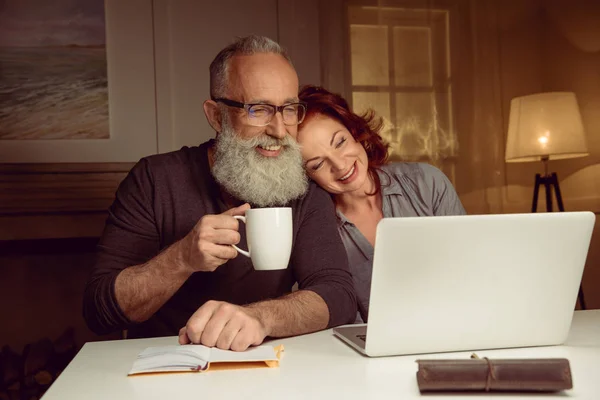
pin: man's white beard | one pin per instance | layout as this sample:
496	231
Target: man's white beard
254	178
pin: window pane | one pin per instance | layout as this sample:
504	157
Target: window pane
369	55
412	56
380	103
424	126
415	108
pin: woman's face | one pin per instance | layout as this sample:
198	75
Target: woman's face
332	158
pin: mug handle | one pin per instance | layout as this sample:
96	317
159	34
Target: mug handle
244	252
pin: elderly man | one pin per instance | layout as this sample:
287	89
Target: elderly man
165	264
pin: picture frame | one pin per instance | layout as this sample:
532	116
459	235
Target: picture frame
131	97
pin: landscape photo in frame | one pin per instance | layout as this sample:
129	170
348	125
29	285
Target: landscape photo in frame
53	70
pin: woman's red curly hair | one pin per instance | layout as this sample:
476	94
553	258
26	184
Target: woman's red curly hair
364	128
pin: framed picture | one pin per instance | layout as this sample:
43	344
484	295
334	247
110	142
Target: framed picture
77	82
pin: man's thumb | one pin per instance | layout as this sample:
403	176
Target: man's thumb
240	210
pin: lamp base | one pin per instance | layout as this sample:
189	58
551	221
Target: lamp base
550	182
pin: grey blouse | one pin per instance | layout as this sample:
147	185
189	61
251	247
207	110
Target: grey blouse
409	190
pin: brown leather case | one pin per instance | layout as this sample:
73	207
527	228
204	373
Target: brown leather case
482	374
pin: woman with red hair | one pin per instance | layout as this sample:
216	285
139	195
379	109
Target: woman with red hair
344	153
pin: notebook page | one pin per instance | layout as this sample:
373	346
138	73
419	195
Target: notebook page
169	358
260	353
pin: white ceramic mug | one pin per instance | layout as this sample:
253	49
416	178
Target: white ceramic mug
269	237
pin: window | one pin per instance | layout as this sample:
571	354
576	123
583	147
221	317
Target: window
400	67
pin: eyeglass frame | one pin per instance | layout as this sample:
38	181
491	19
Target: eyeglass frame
247	106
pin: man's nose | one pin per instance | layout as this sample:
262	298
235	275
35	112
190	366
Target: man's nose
276	127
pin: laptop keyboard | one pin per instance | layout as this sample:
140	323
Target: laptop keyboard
362	337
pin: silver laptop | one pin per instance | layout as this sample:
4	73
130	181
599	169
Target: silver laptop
463	283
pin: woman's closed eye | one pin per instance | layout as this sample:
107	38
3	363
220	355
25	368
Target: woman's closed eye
316	166
340	143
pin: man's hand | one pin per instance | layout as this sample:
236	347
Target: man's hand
208	245
223	325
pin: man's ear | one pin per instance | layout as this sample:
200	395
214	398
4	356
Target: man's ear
213	114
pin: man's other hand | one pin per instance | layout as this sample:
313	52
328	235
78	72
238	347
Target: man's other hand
224	325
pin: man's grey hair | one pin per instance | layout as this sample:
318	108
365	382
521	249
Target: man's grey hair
253	44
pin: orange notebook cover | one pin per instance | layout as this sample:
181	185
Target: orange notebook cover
198	358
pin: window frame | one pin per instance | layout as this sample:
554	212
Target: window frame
446	85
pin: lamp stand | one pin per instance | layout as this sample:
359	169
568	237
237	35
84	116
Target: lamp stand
550	182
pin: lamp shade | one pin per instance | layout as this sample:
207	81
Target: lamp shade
545	125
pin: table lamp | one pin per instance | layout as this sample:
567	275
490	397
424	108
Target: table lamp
544	127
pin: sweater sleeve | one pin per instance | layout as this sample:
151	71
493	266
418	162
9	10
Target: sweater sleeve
130	238
320	262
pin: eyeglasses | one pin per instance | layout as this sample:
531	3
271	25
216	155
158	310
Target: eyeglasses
262	114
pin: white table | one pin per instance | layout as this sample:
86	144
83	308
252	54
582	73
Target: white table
314	366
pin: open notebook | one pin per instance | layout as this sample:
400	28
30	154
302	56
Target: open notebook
197	358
